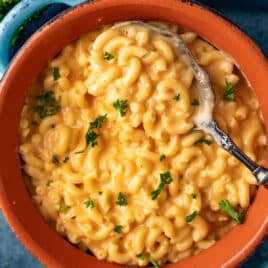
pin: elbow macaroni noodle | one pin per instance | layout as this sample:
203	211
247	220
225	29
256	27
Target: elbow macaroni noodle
77	192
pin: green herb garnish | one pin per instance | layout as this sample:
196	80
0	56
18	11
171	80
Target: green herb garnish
141	256
193	196
55	160
177	97
238	217
100	193
165	178
97	123
89	203
121	200
66	159
118	229
56	73
162	157
63	209
121	106
204	141
46	105
49	183
108	56
190	217
195	102
229	93
154	262
91	136
73	217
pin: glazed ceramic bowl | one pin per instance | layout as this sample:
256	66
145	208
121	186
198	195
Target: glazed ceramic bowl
49	247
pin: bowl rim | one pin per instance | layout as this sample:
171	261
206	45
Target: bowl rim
258	219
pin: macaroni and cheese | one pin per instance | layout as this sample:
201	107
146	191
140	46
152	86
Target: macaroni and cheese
108	146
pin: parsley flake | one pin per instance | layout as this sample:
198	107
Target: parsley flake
229	93
165	178
162	157
49	183
55	160
66	159
121	200
177	97
89	203
63	209
121	106
91	136
56	73
193	196
97	123
204	141
141	256
195	102
154	262
191	217
118	229
238	217
46	105
100	193
73	217
108	56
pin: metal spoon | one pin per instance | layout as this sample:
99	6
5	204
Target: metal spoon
203	118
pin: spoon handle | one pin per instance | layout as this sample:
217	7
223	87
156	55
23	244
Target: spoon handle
227	143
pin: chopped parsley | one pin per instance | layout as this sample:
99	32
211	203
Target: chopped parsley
118	229
73	217
56	73
195	102
193	196
162	157
154	262
121	106
97	123
66	159
108	56
204	141
141	256
177	97
191	217
49	183
89	203
91	136
229	93
62	208
165	178
238	217
121	200
46	105
100	193
55	160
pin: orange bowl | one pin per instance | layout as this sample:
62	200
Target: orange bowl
49	247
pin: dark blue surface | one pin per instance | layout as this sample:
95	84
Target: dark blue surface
251	18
